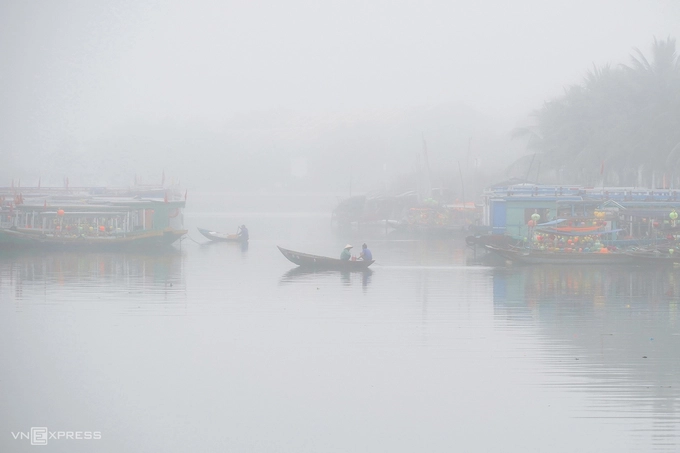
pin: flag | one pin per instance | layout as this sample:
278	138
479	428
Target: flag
38	183
163	179
602	168
185	194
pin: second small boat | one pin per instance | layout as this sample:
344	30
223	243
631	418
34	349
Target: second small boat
221	237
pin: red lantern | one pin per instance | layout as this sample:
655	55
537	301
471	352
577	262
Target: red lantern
102	228
60	213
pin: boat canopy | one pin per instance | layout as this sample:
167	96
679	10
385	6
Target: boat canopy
552	222
576	233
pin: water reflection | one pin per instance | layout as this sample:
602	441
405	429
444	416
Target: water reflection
76	276
307	275
241	245
611	333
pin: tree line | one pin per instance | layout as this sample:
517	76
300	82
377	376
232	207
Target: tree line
619	126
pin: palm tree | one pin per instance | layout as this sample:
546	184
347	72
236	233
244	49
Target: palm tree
626	116
655	91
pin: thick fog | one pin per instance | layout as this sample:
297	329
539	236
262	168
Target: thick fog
292	95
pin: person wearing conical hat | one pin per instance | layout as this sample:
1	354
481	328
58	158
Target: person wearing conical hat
346	255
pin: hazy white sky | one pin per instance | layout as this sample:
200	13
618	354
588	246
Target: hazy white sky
81	68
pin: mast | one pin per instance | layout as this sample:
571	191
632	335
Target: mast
428	174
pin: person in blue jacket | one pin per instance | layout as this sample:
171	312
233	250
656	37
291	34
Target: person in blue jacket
366	254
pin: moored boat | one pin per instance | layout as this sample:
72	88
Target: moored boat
531	256
323	262
90	222
221	237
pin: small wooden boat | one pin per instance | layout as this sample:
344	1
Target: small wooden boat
323	262
529	256
220	237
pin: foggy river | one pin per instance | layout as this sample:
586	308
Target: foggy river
211	347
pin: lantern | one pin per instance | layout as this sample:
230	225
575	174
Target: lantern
102	228
535	217
531	223
60	213
673	215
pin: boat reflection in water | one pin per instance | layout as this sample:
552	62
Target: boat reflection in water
611	333
82	277
242	245
302	274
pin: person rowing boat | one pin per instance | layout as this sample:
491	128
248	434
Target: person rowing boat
365	254
243	233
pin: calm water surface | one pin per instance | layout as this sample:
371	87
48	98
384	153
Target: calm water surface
210	347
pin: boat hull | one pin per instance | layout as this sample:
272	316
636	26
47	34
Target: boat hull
322	262
21	239
539	257
648	257
220	237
